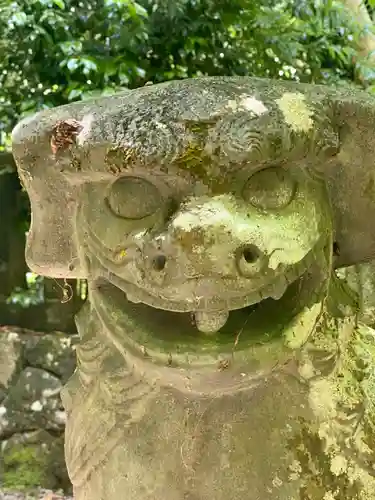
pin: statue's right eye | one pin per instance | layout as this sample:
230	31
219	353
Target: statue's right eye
134	198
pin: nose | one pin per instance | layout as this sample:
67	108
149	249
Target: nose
156	258
158	262
206	237
250	261
169	258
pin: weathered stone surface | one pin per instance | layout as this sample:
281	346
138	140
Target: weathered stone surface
220	356
361	278
32	418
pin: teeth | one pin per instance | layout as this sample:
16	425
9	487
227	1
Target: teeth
210	322
277	296
278	292
133	298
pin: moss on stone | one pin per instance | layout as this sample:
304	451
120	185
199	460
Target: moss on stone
194	161
335	449
24	467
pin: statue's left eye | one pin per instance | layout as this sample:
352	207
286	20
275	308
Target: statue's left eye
270	189
134	198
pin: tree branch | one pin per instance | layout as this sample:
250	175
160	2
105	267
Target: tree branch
366	40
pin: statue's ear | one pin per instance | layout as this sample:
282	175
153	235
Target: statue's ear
51	248
351	176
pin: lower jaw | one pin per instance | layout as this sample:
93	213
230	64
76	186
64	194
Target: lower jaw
166	347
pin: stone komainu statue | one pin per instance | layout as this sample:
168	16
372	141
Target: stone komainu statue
220	357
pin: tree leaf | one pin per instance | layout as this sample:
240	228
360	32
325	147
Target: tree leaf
60	4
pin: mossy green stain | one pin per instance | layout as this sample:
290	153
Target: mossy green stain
196	161
24	468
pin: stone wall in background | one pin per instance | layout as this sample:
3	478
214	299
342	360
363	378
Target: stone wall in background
33	368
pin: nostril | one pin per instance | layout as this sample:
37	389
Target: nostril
249	260
250	254
159	262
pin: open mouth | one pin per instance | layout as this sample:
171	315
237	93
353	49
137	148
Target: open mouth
206	304
148	329
207	313
167	344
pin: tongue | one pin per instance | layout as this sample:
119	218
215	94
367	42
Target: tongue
210	322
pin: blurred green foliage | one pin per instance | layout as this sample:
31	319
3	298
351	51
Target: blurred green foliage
56	51
33	295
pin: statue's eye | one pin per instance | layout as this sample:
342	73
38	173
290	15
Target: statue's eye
271	188
134	198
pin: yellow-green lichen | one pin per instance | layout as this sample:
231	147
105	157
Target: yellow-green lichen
299	330
198	163
335	449
296	111
193	160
